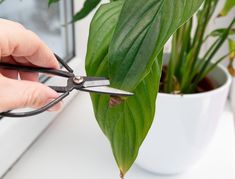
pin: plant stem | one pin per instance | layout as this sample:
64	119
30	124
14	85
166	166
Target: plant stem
214	48
194	85
193	55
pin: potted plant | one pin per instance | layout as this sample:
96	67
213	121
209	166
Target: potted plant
192	96
126	43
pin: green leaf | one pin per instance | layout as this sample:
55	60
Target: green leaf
52	1
88	6
142	30
229	4
219	32
231	44
125	41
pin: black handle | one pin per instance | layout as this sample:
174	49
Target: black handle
36	69
35	112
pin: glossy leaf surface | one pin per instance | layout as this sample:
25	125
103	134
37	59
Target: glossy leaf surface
125	41
142	30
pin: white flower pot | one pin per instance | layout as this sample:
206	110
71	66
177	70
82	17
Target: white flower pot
183	127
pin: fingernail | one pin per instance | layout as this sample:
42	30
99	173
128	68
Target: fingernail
56	107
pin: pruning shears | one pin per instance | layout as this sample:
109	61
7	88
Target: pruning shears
82	83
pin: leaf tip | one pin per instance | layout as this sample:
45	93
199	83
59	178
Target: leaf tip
121	174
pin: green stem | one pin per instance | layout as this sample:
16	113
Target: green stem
215	47
194	85
192	57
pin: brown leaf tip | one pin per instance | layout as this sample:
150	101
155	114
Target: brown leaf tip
121	175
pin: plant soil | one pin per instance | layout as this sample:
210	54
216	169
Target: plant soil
205	85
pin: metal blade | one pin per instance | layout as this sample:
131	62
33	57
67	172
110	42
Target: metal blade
95	81
107	90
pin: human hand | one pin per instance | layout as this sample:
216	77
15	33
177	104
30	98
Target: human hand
21	46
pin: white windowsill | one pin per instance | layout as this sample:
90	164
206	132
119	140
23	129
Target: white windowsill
74	147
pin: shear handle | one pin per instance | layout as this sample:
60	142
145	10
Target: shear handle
36	69
37	111
59	89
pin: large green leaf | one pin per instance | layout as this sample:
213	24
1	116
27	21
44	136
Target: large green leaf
125	41
142	30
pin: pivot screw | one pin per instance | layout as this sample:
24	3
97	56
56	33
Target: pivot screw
78	80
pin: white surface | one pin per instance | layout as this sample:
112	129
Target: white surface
183	127
74	147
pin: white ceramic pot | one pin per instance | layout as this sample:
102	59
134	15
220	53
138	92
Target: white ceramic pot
183	127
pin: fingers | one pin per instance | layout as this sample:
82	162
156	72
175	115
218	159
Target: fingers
15	74
19	94
29	76
9	73
19	42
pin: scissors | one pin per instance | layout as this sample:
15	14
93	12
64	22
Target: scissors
98	85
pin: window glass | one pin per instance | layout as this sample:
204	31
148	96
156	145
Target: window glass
48	23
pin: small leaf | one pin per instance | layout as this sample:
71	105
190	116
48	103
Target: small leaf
229	4
88	6
52	1
231	44
219	32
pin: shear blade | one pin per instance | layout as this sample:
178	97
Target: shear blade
96	83
108	90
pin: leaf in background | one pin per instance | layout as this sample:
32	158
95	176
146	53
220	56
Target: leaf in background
52	1
229	4
219	32
88	6
231	44
127	49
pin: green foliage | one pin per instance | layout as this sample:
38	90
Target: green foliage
52	1
88	6
125	44
229	4
231	44
186	68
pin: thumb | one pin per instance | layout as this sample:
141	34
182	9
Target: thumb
19	94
